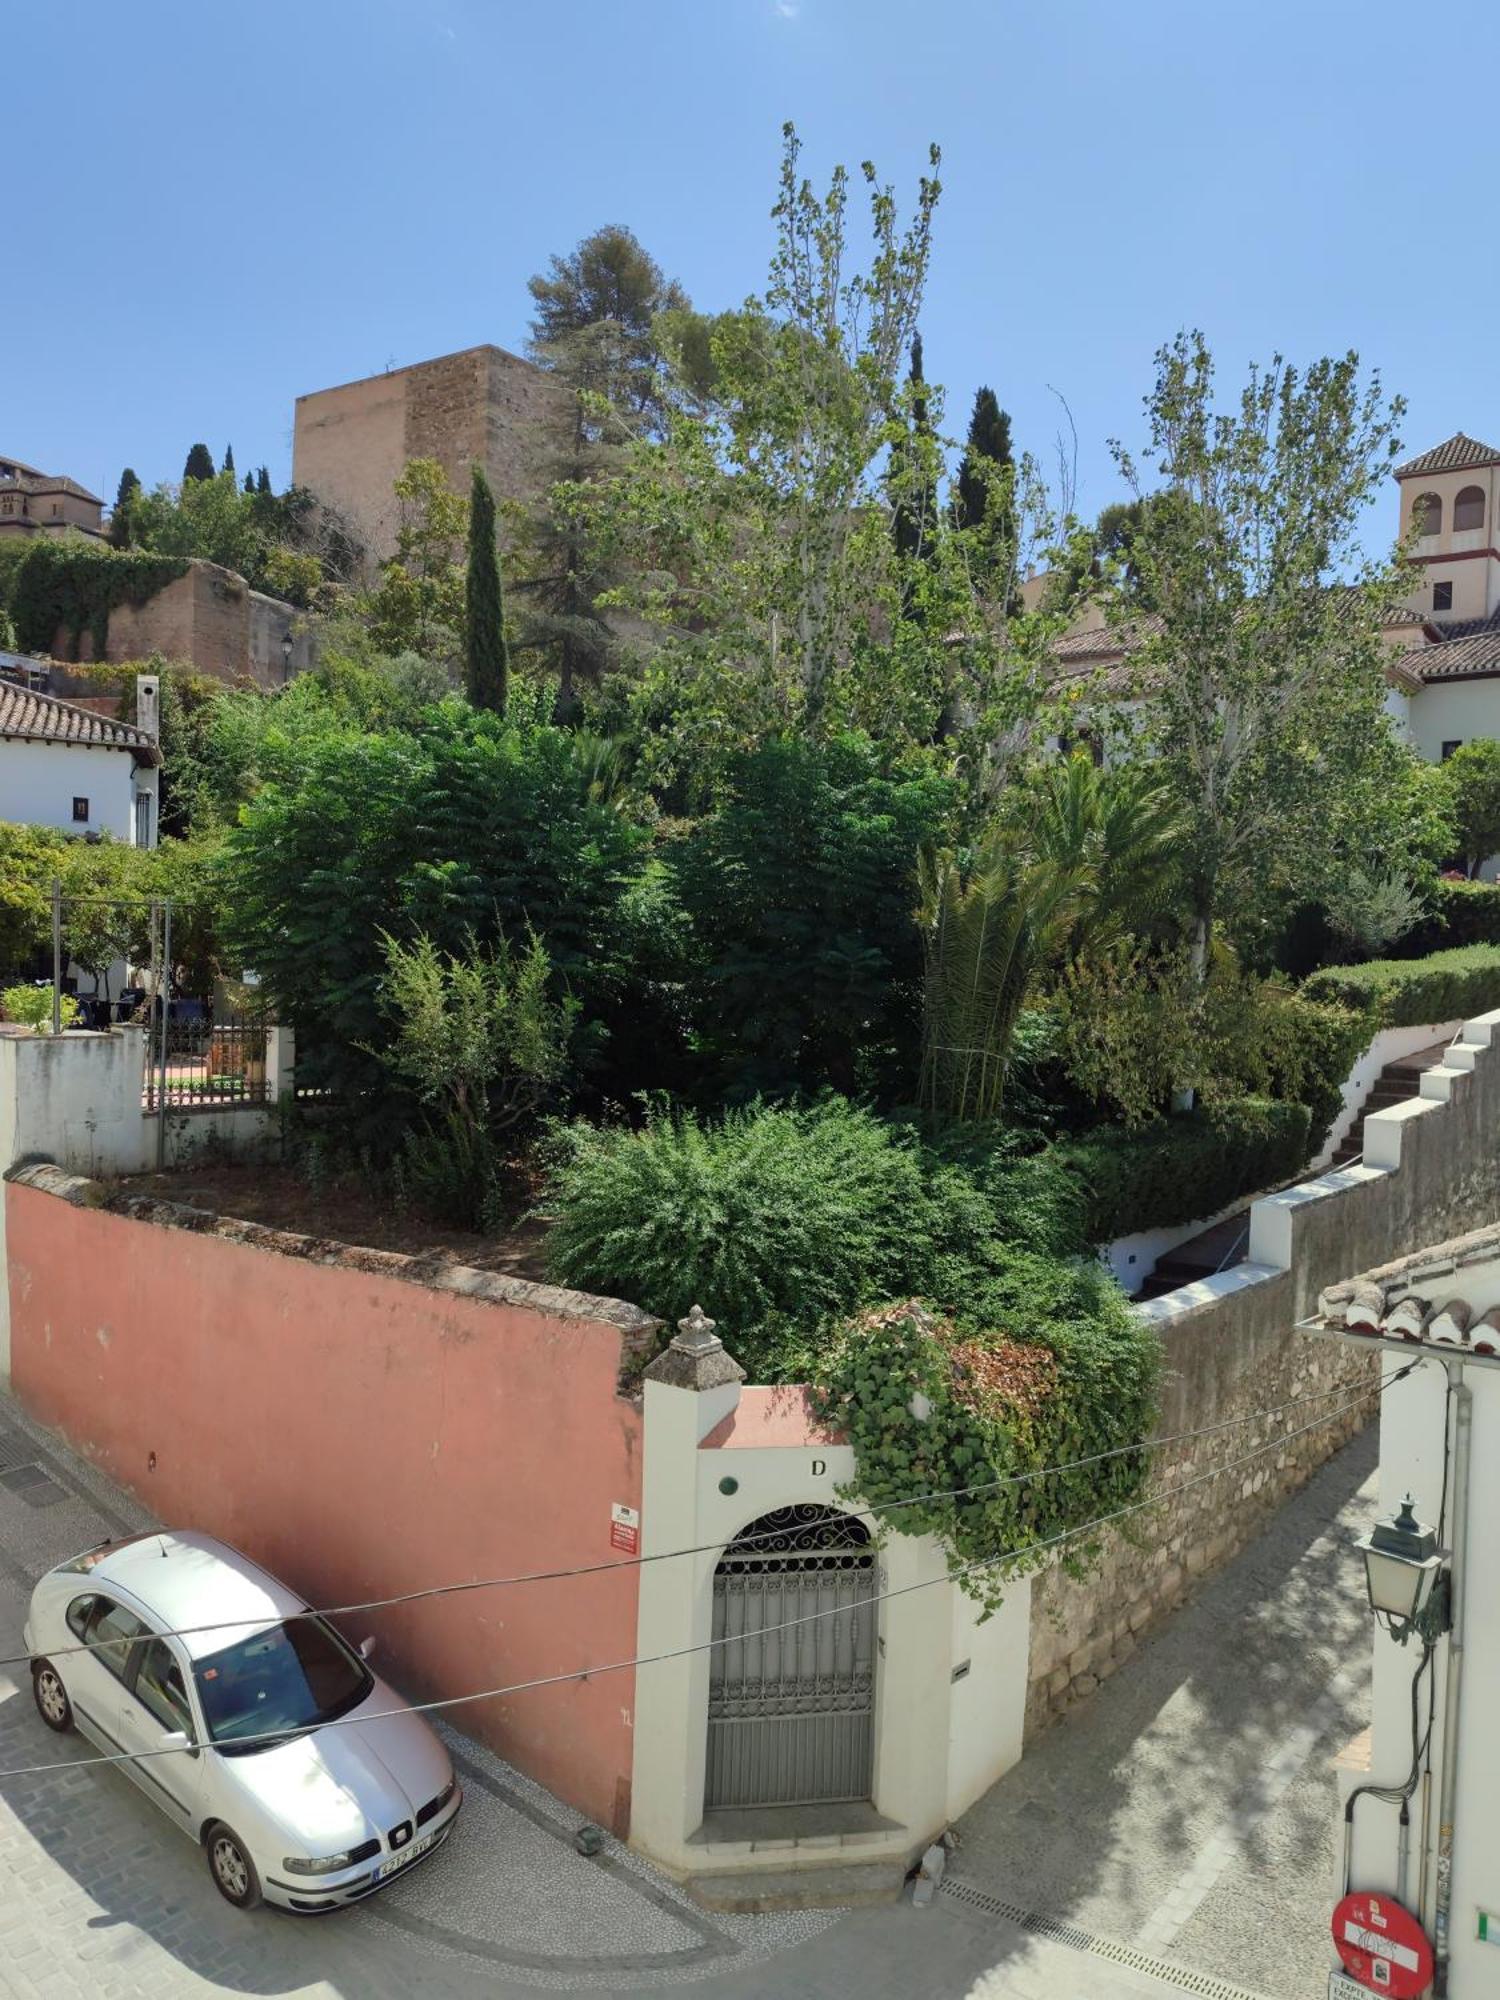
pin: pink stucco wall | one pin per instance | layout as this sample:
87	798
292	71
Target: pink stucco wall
361	1435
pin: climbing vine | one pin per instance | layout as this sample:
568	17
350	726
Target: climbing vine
73	586
1050	1368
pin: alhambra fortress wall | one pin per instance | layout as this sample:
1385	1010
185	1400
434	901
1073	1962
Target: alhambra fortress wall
351	442
209	616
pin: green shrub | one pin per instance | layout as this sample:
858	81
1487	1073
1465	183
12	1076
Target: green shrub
779	1220
1405	993
31	1007
1178	1169
1050	1367
772	1220
1462	913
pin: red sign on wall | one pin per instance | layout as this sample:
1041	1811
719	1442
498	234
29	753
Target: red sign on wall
1382	1946
625	1529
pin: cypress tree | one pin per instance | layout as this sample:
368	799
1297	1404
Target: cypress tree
263	480
914	516
119	520
228	465
486	661
249	482
200	463
989	438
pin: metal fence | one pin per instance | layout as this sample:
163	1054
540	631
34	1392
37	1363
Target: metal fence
207	1057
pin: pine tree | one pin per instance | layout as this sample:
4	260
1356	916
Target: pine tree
228	465
200	463
486	660
119	520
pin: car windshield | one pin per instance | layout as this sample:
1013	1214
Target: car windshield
289	1677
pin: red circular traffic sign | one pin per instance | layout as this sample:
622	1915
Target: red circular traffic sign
1382	1946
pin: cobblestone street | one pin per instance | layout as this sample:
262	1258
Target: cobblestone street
1138	1823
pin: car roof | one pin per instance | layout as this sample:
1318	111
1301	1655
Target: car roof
185	1579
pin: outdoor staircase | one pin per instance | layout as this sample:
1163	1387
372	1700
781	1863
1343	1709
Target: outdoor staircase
1396	1084
1225	1242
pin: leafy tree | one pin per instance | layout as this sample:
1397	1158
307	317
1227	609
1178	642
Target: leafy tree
107	888
799	888
29	858
486	660
418	604
200	463
463	825
120	528
1472	775
1262	684
262	536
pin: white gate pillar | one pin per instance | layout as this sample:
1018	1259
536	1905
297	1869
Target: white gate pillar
689	1388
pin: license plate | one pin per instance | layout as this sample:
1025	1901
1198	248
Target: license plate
393	1862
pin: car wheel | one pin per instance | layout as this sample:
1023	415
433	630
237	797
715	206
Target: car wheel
232	1869
51	1697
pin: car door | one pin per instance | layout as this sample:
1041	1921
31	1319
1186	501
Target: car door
93	1676
155	1701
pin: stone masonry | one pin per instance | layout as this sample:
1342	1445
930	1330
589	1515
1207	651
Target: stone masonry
1231	1352
350	443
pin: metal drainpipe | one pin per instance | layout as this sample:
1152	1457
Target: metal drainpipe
1463	1397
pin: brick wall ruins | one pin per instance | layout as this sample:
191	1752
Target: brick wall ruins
208	617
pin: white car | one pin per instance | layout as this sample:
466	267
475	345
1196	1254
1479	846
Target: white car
342	1798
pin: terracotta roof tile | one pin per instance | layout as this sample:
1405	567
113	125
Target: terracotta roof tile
1468	650
1456	454
42	718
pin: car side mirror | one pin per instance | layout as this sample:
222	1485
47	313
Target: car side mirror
367	1648
175	1739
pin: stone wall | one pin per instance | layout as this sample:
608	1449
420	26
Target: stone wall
210	618
350	443
1231	1350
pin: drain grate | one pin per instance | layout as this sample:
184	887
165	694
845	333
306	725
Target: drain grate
16	1449
36	1487
1077	1939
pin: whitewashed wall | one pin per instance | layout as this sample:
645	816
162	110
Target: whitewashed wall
39	782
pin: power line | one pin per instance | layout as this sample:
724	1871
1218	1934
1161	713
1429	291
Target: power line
709	1645
870	1513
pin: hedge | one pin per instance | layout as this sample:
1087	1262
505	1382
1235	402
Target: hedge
1406	992
1190	1165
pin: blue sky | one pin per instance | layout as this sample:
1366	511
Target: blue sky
213	208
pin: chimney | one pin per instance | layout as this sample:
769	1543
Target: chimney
148	705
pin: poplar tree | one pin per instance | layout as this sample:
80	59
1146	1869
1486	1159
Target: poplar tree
486	661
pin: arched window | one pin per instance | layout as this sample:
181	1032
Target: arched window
1468	508
1427	514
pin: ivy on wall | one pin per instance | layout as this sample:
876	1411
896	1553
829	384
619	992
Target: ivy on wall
73	586
1054	1369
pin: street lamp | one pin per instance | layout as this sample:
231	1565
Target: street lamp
286	654
1406	1576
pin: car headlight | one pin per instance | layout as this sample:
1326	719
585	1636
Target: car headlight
317	1864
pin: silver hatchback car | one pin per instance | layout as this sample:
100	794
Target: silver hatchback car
342	1797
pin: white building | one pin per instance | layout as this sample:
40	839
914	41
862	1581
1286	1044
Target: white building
1421	1823
66	766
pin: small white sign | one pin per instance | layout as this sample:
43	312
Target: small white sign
625	1517
1342	1987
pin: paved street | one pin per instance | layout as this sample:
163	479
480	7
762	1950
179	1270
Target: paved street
1153	1828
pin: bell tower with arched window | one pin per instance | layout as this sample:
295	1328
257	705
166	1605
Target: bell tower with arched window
1449	497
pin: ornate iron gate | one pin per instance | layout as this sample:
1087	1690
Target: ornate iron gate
791	1710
